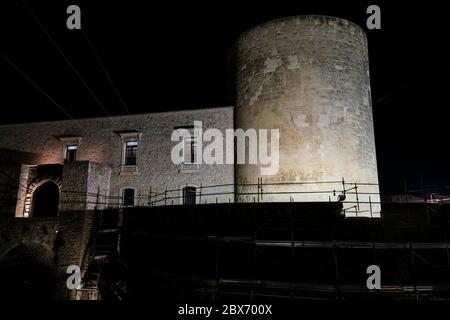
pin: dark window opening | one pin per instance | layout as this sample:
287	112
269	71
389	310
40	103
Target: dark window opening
71	153
190	151
131	153
189	195
128	197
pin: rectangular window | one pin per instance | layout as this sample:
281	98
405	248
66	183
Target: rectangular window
71	152
128	197
190	151
189	195
131	152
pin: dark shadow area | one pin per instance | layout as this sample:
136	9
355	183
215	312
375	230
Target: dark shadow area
46	200
24	276
283	251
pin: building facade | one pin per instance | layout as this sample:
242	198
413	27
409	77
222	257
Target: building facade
103	162
306	76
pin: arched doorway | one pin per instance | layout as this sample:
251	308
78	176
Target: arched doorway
46	200
27	273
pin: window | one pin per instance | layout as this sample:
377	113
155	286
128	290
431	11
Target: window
189	195
69	147
71	152
130	140
190	151
191	147
128	197
131	152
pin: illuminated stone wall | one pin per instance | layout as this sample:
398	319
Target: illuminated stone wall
100	142
308	76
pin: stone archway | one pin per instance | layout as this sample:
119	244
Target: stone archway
45	195
45	200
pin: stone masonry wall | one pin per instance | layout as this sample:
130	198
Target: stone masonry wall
307	76
57	242
101	143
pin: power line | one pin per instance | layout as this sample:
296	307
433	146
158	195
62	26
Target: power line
65	58
106	72
40	89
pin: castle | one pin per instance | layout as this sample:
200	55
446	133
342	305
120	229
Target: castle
307	76
106	196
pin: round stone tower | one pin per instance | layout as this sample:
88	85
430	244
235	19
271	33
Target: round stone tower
308	76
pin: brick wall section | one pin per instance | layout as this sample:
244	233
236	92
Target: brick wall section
99	180
74	186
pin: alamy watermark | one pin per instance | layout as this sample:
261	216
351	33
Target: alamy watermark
374	280
221	150
74	280
374	20
74	20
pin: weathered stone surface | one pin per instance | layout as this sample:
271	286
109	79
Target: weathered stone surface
307	76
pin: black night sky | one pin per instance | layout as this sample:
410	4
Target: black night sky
173	56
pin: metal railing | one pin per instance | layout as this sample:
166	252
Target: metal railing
355	197
358	198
